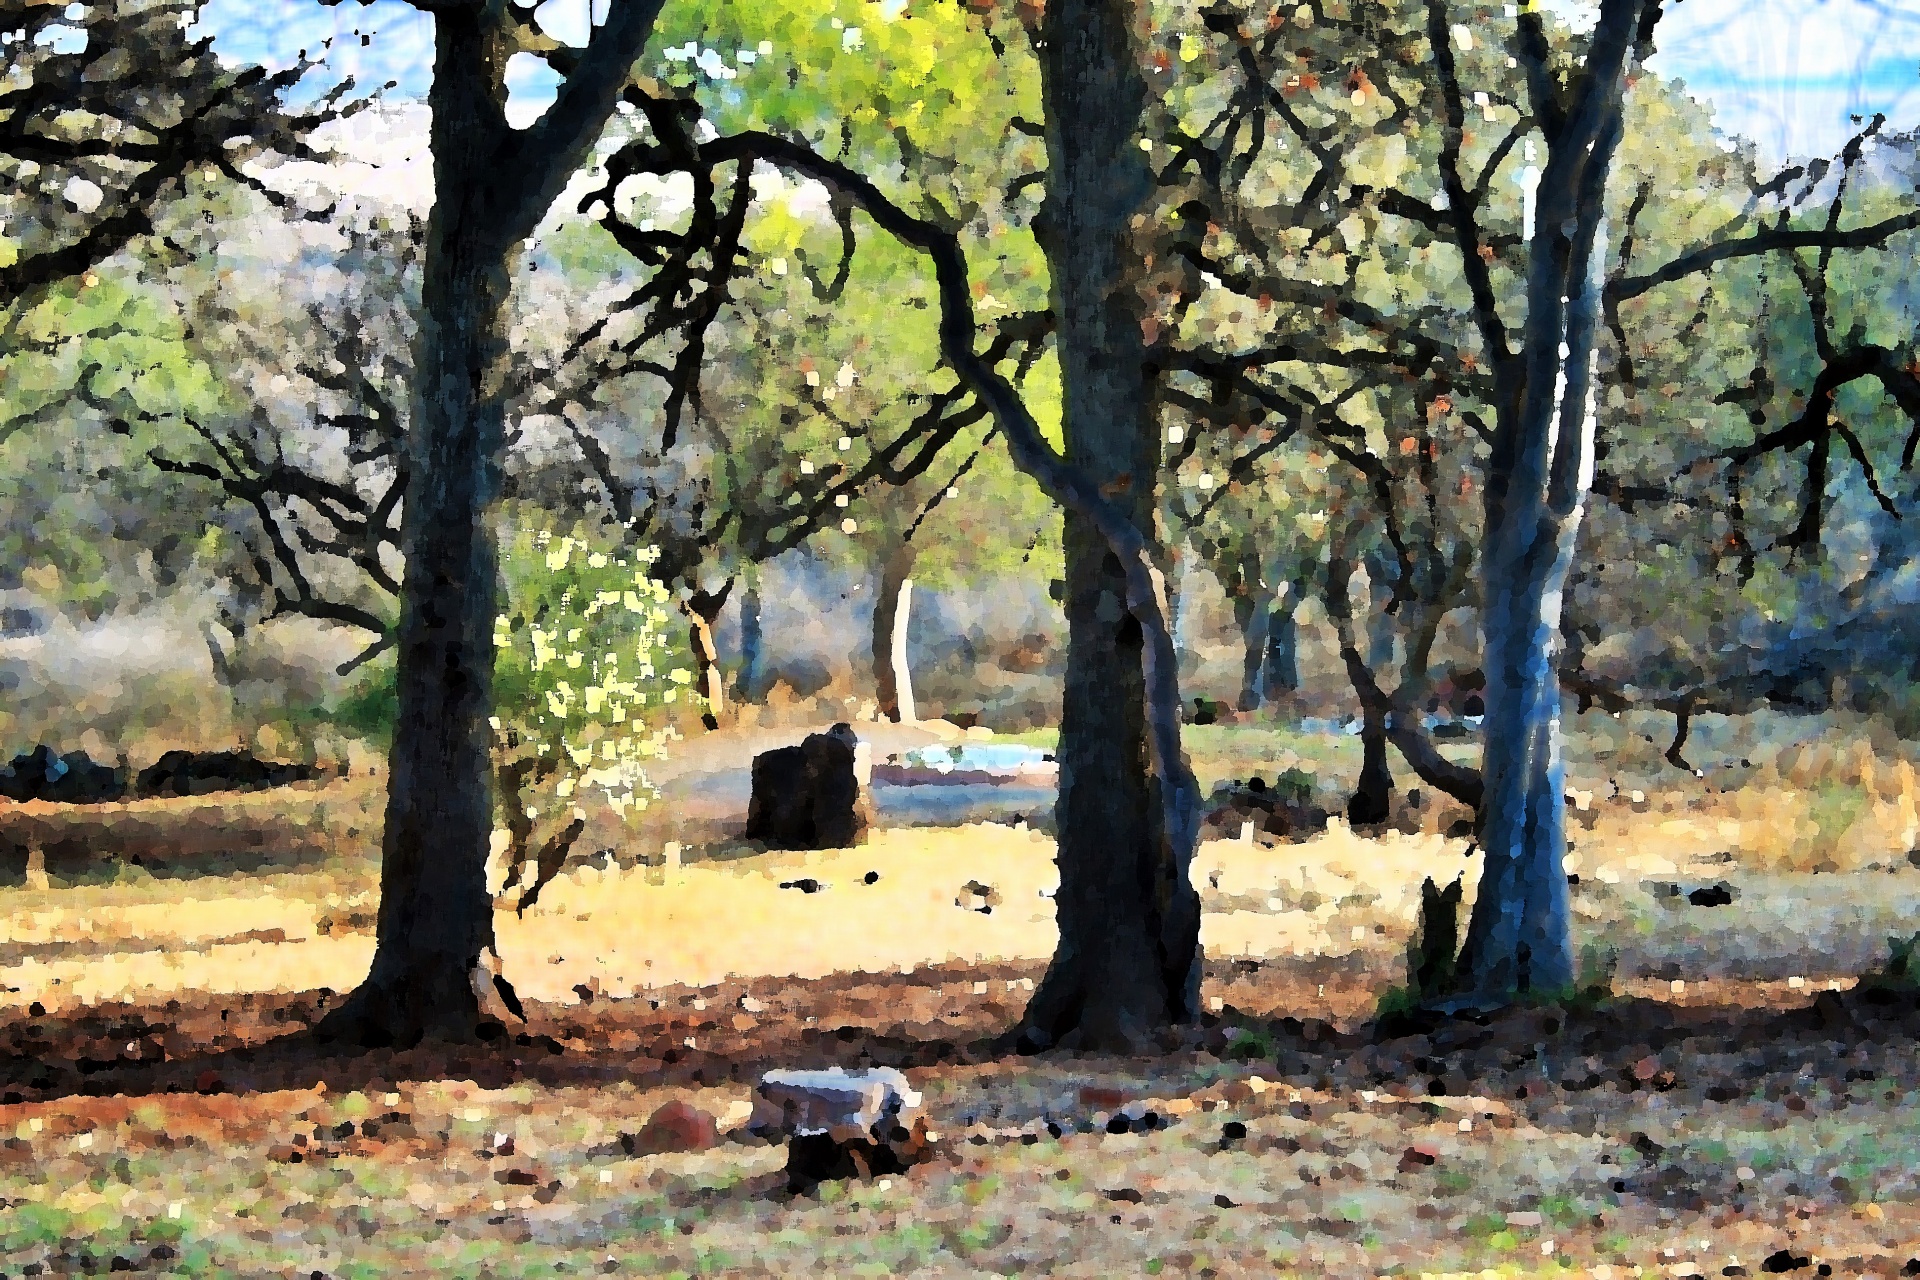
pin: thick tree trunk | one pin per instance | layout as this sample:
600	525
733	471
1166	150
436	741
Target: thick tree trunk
890	676
431	974
435	926
1519	939
1128	958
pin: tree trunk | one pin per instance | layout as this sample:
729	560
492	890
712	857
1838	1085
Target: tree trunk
435	925
891	679
703	616
752	641
492	184
1128	958
1251	613
1281	670
1519	939
1176	562
1372	798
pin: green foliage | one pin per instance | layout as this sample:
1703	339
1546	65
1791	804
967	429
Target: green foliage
1901	973
583	667
371	706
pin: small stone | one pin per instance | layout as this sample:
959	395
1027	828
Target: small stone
676	1126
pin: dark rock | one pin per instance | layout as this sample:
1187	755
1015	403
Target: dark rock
1712	895
1284	809
73	778
196	773
809	797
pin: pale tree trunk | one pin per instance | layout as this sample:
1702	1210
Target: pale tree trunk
902	669
1519	939
1176	562
891	679
431	973
752	641
1128	957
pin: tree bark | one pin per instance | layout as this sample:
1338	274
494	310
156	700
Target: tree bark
1128	958
703	617
1252	613
890	677
752	640
431	975
435	925
1372	798
1281	668
1392	717
1519	939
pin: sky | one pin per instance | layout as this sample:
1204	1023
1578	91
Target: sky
1786	74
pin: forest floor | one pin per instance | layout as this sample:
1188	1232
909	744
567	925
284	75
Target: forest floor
1735	1107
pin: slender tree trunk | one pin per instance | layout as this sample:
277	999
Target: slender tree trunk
435	926
752	641
1372	798
1252	610
1281	669
1176	562
703	617
1519	939
1253	653
1128	958
889	674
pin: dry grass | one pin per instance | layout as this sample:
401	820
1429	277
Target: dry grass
1712	1115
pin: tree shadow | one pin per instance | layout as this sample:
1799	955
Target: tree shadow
1547	1062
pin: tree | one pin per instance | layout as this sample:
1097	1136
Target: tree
1341	233
582	674
492	185
113	112
1129	959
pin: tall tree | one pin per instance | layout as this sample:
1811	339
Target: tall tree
1128	959
492	185
1538	476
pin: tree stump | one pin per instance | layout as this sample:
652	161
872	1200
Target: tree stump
809	796
842	1124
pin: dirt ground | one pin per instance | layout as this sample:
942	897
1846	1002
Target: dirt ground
1735	1107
